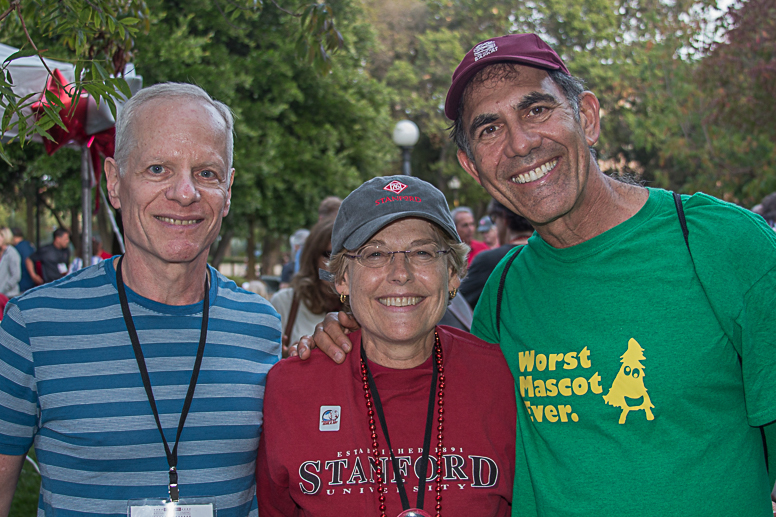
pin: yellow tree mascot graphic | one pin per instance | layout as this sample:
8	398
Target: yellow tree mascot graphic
629	383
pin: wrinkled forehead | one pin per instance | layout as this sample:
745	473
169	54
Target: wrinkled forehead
504	75
162	115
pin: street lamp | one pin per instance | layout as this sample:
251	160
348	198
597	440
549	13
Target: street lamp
454	184
406	135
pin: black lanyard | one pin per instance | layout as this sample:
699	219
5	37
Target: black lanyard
405	502
172	456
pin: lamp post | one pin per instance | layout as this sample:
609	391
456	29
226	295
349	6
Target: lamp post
454	184
405	135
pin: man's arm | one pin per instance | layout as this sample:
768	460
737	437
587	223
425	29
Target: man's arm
330	336
10	467
30	265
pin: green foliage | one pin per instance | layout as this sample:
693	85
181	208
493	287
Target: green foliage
677	110
96	35
57	178
300	136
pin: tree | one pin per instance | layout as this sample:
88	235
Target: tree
98	36
95	34
300	136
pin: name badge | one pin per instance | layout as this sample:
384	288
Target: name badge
191	507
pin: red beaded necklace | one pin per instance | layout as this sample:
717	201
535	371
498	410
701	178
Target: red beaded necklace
440	428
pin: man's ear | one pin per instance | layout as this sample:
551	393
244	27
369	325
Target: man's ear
229	194
469	166
113	180
590	117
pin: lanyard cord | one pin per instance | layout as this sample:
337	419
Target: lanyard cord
426	437
172	456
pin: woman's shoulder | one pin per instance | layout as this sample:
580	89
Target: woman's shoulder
314	369
281	300
460	337
469	351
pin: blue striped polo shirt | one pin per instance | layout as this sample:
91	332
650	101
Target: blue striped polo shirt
69	382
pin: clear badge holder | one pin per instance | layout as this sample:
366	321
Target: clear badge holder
185	507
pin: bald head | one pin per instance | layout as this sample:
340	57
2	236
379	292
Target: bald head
126	140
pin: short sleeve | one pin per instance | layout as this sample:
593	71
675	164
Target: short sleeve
18	394
758	350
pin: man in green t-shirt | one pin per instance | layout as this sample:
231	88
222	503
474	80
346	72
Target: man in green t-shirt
645	358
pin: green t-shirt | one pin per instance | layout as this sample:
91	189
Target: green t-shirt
641	394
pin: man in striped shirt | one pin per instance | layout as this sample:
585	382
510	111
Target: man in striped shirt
95	365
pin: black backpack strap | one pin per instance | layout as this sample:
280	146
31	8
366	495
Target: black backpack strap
503	281
682	221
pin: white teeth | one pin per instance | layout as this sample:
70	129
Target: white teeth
535	174
179	222
400	302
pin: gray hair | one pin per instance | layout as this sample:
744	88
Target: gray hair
125	141
572	87
461	210
298	238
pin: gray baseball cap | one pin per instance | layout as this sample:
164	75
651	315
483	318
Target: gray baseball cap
381	201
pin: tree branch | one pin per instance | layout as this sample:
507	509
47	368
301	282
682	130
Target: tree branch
11	8
29	38
53	212
284	10
223	15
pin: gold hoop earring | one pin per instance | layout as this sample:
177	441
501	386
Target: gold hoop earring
343	298
453	293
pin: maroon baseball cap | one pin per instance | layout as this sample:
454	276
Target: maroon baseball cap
528	49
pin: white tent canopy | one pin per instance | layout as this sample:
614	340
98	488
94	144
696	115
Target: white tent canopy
30	76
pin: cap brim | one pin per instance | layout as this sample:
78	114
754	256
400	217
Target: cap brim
363	233
459	85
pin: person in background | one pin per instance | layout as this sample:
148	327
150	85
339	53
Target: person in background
53	259
767	209
489	233
25	249
97	257
513	230
98	250
464	224
308	299
328	208
296	241
10	264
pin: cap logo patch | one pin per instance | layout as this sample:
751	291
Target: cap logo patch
483	49
395	186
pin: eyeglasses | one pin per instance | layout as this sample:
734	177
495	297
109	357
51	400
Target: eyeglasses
376	256
326	254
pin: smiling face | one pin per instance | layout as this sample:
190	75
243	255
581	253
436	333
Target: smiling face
398	305
530	151
176	188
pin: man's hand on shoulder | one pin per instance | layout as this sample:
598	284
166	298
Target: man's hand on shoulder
330	336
